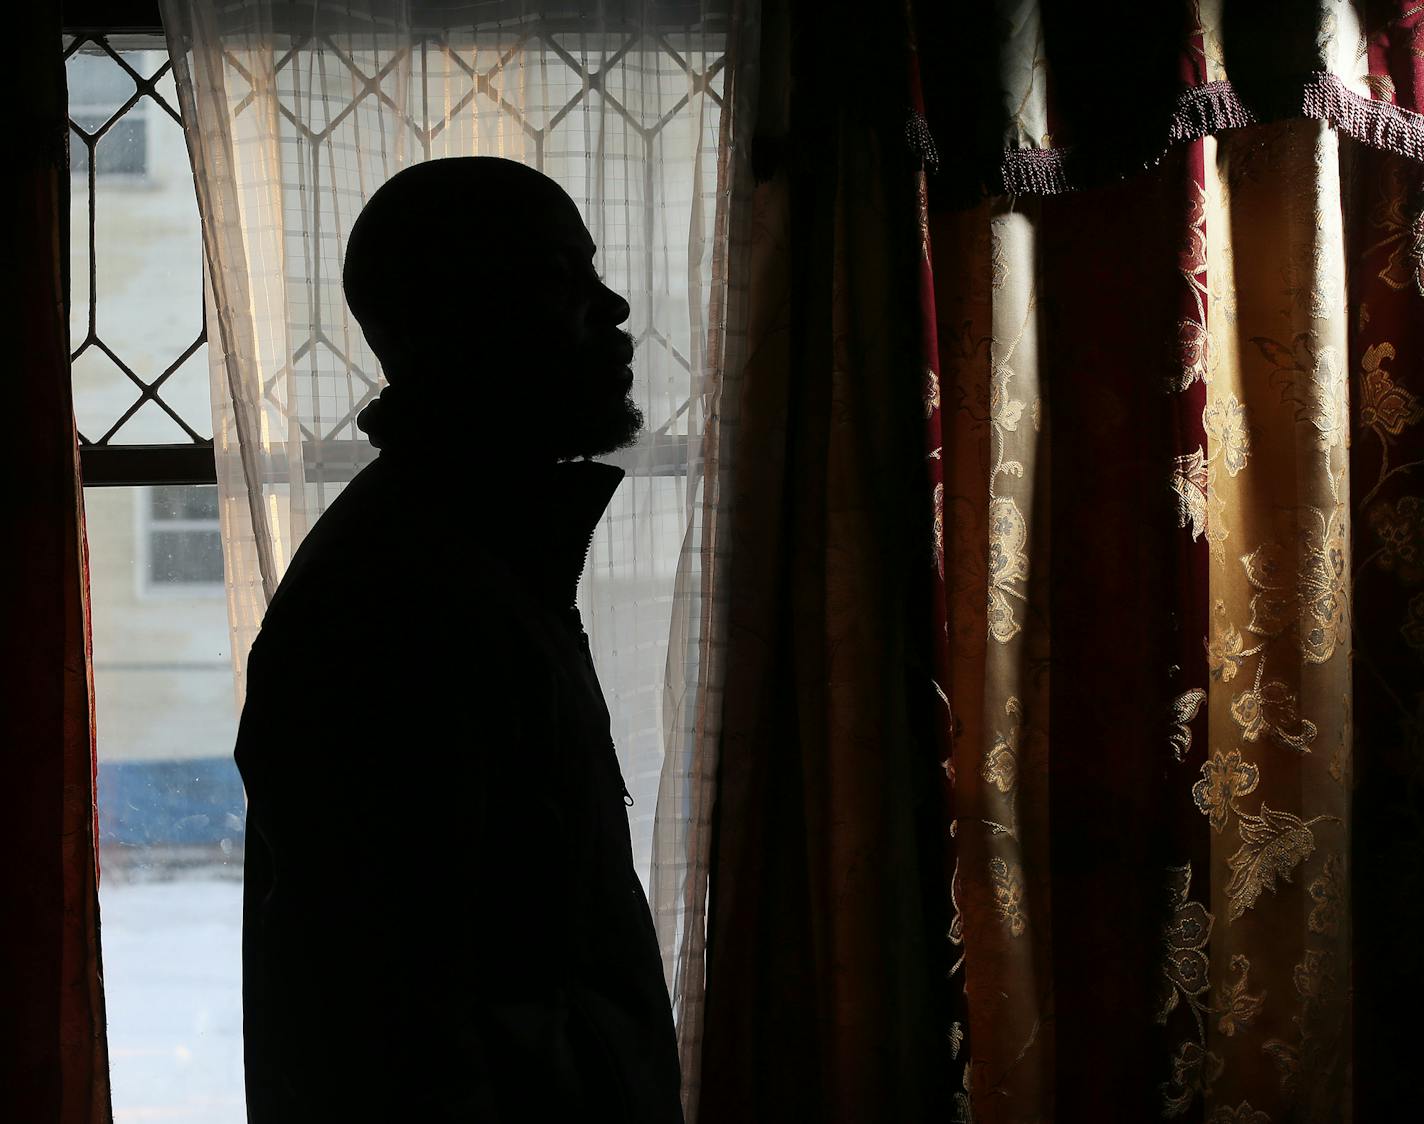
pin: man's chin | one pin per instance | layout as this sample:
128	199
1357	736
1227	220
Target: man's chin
599	433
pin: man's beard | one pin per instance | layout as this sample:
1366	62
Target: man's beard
596	428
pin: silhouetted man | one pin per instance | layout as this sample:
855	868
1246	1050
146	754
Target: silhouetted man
442	919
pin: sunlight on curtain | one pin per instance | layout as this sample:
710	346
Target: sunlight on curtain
1175	413
296	114
1245	450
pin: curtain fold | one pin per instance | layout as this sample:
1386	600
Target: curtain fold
826	967
696	662
1173	400
295	114
1038	98
1383	898
1167	292
56	1056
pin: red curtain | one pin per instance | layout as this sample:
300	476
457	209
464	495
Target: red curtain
1145	297
55	1065
1137	945
826	993
1387	460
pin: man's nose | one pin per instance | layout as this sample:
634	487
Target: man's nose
614	304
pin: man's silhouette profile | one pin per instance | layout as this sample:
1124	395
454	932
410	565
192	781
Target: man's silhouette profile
442	920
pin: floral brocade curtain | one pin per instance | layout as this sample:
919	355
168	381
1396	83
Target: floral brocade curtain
1175	421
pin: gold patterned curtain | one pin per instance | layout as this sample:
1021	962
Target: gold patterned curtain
1177	441
1129	715
1161	326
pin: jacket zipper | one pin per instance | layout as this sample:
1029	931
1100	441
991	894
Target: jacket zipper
587	550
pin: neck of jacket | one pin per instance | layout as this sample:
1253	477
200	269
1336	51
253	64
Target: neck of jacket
539	521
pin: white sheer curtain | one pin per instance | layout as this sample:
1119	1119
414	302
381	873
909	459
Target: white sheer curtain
295	113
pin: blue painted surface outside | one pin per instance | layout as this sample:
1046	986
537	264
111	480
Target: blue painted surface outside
146	803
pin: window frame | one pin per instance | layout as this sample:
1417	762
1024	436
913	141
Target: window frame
137	112
194	462
101	464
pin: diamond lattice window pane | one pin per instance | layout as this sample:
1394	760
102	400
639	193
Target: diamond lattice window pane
98	85
120	151
189	391
146	306
538	81
150	425
102	392
166	89
78	246
648	82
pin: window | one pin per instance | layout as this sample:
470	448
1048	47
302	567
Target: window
181	542
100	86
171	812
137	328
171	807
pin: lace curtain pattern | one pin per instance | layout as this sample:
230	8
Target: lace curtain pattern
1175	428
295	114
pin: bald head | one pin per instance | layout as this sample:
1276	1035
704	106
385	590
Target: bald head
462	226
473	281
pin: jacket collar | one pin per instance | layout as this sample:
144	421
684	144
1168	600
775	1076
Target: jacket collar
539	522
566	511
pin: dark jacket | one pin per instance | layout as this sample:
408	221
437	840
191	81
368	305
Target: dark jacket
442	920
